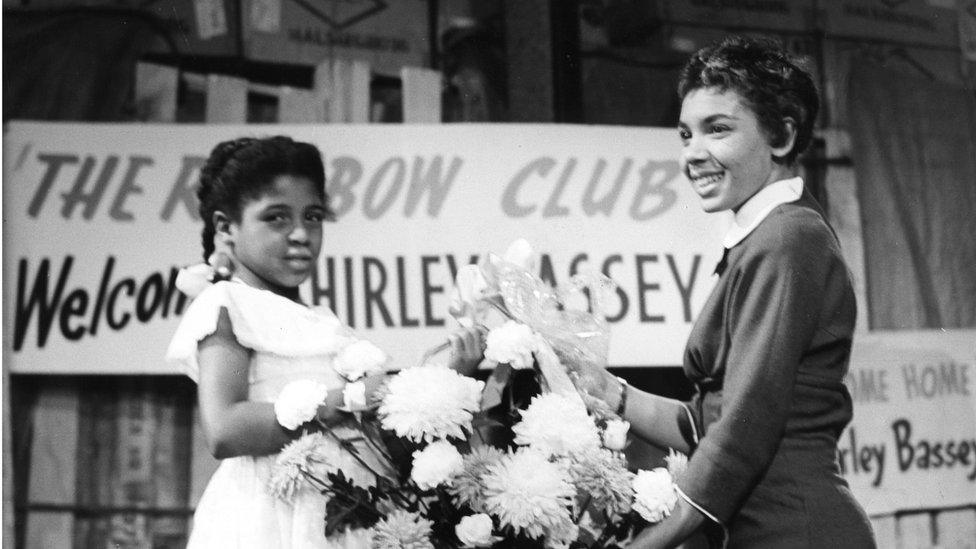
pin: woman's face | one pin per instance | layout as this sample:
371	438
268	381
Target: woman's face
278	238
725	154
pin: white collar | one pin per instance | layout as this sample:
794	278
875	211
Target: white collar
755	210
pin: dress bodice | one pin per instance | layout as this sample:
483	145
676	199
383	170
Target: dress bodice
288	340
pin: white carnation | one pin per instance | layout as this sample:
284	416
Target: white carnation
654	494
677	463
436	464
512	343
428	403
298	402
358	359
475	531
615	434
556	425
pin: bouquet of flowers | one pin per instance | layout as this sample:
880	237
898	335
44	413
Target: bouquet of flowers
469	463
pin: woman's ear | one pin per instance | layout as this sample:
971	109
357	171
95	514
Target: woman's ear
787	139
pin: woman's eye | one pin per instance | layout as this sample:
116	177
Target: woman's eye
719	129
276	218
315	217
685	135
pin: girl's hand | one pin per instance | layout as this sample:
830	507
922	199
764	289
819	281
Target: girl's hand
370	389
467	349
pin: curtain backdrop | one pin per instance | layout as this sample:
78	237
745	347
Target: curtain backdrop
914	145
73	64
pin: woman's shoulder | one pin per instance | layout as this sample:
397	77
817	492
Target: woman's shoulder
792	228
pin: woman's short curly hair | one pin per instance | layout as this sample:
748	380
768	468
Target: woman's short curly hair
773	83
242	169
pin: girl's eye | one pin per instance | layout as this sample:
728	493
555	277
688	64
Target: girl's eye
685	135
277	218
315	217
719	128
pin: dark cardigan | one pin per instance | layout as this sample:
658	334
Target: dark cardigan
767	355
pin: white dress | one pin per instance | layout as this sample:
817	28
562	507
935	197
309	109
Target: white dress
289	342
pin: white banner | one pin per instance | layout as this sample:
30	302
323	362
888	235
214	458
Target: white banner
912	444
97	219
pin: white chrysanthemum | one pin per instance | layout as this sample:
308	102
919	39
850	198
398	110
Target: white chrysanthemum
402	530
298	402
468	487
308	454
677	463
602	476
427	403
313	455
511	343
529	493
358	359
556	425
436	464
654	494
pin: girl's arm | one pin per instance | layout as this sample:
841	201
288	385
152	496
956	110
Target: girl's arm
234	426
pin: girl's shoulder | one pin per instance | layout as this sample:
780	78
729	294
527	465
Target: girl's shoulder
261	320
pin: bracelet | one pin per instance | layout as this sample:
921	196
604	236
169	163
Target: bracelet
622	404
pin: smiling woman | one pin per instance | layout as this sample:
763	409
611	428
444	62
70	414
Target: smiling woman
770	348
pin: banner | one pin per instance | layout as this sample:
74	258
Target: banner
912	444
98	218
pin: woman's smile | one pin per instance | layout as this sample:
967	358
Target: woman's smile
706	184
725	154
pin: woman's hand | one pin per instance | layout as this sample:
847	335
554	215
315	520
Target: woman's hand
599	386
467	349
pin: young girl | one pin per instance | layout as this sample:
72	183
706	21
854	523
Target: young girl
245	340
